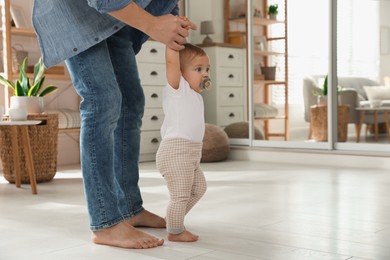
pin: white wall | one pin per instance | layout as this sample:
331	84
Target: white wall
384	20
204	10
65	97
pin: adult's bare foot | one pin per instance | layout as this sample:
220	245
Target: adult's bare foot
146	219
185	236
126	236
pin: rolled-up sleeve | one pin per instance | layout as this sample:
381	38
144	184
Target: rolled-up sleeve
104	6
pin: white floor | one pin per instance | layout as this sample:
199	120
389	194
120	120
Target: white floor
251	210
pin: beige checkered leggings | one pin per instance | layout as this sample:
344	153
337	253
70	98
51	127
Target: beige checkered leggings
178	161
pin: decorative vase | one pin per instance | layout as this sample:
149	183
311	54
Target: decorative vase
33	105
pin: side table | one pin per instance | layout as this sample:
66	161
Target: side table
375	110
23	126
319	123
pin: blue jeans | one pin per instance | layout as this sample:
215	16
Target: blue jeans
112	105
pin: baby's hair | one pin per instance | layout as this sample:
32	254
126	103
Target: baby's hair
189	52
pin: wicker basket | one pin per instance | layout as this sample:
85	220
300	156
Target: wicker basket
319	123
43	141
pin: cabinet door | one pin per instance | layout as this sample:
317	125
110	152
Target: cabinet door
150	141
152	52
152	74
229	115
153	119
231	96
230	76
230	57
153	96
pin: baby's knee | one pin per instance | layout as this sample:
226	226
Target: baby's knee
201	190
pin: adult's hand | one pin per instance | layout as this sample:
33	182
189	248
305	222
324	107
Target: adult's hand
171	30
168	29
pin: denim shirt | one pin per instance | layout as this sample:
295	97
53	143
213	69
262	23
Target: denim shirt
68	27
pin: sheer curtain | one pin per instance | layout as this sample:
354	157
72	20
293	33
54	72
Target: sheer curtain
358	38
308	41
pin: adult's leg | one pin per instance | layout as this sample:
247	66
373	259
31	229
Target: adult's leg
94	79
128	131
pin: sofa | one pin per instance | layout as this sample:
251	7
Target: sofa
355	91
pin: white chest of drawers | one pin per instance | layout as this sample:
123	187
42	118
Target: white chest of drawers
225	101
151	67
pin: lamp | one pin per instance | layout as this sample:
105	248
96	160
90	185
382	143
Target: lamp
206	28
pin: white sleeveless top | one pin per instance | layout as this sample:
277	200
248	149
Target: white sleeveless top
184	113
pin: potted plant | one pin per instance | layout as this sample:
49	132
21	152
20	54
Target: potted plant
273	11
28	94
322	96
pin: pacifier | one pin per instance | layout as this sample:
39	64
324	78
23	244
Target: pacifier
206	83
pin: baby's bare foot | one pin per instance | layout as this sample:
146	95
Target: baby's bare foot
146	219
126	236
185	236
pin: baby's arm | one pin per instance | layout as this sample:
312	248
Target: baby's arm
172	59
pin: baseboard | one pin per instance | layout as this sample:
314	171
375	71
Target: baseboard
312	157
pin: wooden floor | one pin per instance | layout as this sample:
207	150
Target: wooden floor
251	210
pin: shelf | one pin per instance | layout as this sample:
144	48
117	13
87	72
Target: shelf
23	32
267	53
269	82
269	118
274	41
257	21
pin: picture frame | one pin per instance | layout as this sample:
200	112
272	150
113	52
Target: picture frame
18	16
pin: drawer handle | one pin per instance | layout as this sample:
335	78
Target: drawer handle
231	76
231	56
154	95
153	50
231	115
231	95
154	118
154	141
153	73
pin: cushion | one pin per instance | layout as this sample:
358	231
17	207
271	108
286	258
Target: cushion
216	145
357	84
241	130
68	118
264	110
377	92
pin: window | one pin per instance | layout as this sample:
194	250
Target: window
308	42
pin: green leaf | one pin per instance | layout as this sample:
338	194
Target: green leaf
34	90
325	87
48	90
6	82
39	69
19	91
24	80
23	87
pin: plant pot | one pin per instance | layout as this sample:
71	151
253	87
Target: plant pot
323	100
33	105
268	72
272	16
